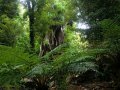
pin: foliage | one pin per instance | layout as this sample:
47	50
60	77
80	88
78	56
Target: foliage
75	56
14	64
111	35
8	31
9	8
11	24
95	11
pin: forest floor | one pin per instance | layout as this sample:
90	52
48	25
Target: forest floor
93	86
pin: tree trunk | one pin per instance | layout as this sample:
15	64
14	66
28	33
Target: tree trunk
55	38
31	6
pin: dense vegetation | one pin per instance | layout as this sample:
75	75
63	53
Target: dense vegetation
41	46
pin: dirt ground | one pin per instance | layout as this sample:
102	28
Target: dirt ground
90	86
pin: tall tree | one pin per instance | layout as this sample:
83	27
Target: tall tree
31	8
52	21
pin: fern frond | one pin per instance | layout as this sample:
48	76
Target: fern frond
39	70
14	64
81	67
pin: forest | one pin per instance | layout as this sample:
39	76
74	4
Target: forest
59	44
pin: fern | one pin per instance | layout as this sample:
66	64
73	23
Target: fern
68	58
40	70
81	67
10	75
63	65
58	50
14	64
